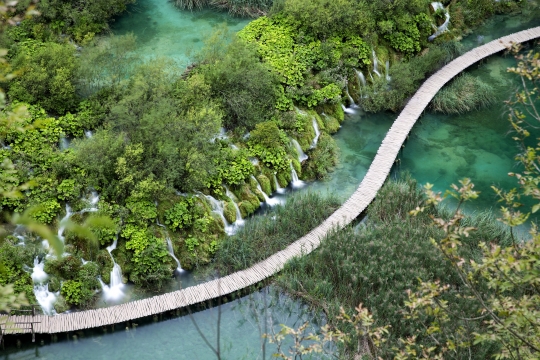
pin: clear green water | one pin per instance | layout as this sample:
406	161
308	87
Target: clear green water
164	31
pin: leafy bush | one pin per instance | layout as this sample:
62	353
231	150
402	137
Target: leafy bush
46	76
268	143
72	291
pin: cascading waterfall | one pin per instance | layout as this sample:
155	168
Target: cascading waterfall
217	208
234	147
62	224
351	100
317	132
346	110
38	274
45	298
239	221
361	78
92	201
64	143
268	200
88	133
301	154
375	64
439	6
171	249
114	291
388	78
279	189
296	182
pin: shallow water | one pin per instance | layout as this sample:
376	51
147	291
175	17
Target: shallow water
162	30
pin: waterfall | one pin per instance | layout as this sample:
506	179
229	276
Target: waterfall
113	291
64	143
301	154
279	189
439	6
171	249
62	224
254	161
317	132
234	147
239	221
222	135
375	64
217	208
45	298
296	183
88	133
346	110
171	252
92	201
38	275
361	78
388	78
351	100
269	201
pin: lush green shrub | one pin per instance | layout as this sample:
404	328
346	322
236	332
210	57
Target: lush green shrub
245	88
46	76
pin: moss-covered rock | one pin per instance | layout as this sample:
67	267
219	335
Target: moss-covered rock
283	178
61	305
229	212
331	124
334	110
322	159
247	208
265	184
297	166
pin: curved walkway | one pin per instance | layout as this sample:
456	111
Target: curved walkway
358	202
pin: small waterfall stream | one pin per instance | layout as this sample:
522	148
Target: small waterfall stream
114	291
351	100
439	6
301	154
239	221
217	208
171	249
387	68
361	78
296	182
38	274
279	189
268	200
346	110
317	132
88	133
44	297
375	63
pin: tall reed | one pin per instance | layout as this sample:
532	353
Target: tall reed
465	93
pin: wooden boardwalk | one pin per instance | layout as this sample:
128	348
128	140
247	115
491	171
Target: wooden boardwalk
358	202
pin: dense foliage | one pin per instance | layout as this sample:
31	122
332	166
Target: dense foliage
378	262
